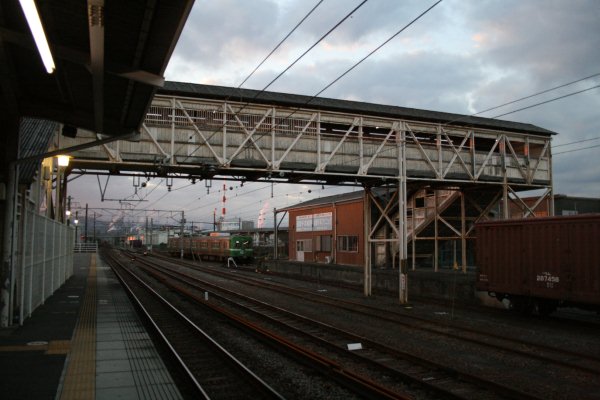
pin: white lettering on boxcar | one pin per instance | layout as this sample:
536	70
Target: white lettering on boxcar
548	279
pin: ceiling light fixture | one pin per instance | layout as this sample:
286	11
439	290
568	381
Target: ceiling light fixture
35	25
63	161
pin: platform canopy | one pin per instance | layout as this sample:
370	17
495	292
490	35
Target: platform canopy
110	56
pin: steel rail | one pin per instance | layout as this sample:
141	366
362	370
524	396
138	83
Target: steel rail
250	377
532	350
383	350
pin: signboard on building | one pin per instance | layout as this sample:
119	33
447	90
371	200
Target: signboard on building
314	222
304	223
322	222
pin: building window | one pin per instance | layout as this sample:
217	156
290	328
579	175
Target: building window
304	245
323	243
347	243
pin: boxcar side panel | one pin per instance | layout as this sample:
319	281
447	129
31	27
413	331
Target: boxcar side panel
554	258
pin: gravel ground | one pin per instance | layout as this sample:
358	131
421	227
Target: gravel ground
528	374
289	378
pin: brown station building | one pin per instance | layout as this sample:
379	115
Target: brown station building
328	229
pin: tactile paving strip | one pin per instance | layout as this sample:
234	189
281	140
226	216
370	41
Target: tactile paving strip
80	376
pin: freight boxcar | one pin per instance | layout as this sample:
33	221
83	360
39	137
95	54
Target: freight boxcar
541	263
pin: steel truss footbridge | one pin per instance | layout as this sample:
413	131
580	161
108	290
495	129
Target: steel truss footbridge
440	172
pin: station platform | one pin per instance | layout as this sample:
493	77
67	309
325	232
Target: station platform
85	342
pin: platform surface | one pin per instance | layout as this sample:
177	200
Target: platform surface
85	342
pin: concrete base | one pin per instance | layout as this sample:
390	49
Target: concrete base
424	283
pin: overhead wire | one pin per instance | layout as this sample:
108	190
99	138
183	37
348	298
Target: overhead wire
258	93
574	150
389	39
547	101
535	94
375	50
578	141
382	151
310	48
280	43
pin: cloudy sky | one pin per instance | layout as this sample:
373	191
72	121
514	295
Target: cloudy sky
463	56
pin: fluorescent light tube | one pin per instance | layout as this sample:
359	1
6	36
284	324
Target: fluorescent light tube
35	24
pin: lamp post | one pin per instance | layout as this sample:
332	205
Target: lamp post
62	164
76	222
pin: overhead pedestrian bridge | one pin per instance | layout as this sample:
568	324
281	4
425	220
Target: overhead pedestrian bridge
445	171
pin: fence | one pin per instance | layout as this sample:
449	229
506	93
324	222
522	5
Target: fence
46	260
85	247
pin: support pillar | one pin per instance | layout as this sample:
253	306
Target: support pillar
436	255
10	176
463	228
275	235
402	229
367	242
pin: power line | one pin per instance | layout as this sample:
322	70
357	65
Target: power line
535	94
374	50
578	141
574	150
312	47
547	101
280	43
284	71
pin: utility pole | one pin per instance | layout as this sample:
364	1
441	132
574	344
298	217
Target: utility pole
146	233
94	226
68	212
181	236
151	233
76	225
86	221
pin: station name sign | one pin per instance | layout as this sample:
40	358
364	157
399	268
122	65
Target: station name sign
314	222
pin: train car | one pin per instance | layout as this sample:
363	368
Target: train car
541	263
219	247
239	247
175	246
135	243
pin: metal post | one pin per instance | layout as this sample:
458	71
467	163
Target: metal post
86	222
181	237
76	226
32	260
435	236
68	209
151	233
146	233
7	245
367	242
45	258
463	229
551	208
275	235
58	195
402	229
414	234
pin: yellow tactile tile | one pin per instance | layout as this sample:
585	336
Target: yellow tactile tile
80	377
58	347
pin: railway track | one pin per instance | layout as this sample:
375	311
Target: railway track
214	372
380	360
588	363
